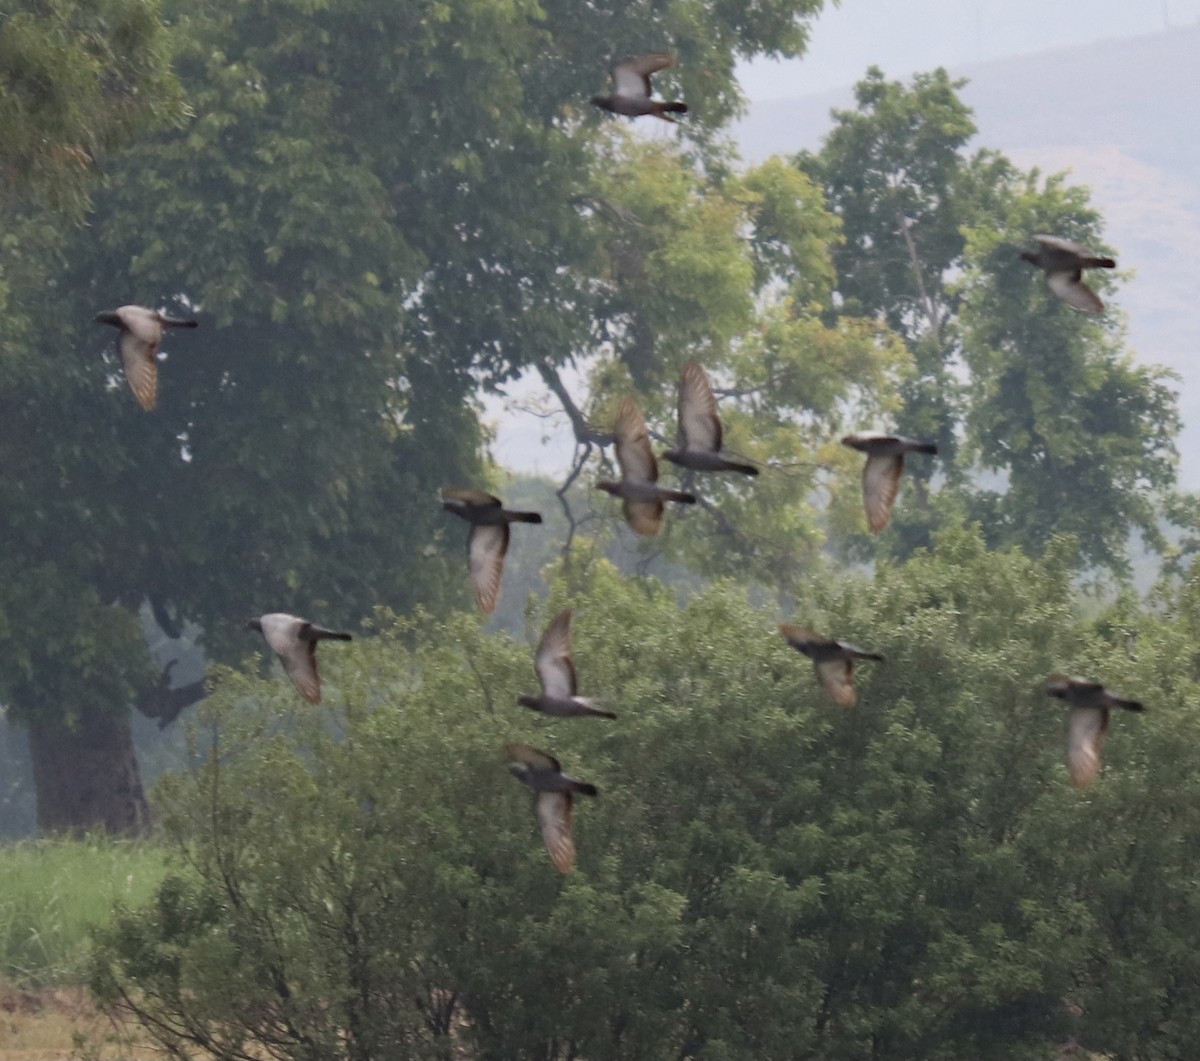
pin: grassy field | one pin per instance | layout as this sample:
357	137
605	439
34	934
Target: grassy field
52	892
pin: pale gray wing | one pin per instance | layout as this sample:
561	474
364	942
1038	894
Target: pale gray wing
837	676
1074	292
634	454
1086	730
631	76
470	497
141	367
645	517
881	483
486	549
300	664
555	668
1064	246
532	757
699	421
554	816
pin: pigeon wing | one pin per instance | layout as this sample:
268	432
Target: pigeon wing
470	497
1062	246
1086	730
554	816
631	76
881	483
141	368
645	517
300	664
634	454
555	668
533	758
486	549
699	422
837	675
1070	287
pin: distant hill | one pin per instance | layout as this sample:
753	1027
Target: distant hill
1124	117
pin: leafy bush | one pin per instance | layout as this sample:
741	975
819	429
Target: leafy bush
763	876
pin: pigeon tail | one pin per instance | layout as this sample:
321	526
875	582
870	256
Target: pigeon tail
675	107
926	447
745	469
173	322
1097	263
319	633
679	496
584	788
524	517
1129	705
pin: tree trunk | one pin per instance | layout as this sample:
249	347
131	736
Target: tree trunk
87	776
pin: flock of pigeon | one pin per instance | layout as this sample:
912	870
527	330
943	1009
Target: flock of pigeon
294	640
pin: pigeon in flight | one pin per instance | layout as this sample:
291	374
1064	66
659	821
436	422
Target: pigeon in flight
1063	263
487	544
556	673
700	427
881	474
140	333
638	488
832	660
294	641
1087	724
632	89
553	796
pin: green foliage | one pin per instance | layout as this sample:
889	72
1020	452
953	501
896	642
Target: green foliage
763	875
1084	437
1012	385
77	80
53	893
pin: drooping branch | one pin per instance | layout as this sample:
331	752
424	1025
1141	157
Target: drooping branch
162	702
914	261
584	432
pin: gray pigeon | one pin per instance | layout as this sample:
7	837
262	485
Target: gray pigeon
638	487
487	544
632	89
1087	724
832	660
552	801
556	673
140	333
1064	262
700	427
294	641
881	474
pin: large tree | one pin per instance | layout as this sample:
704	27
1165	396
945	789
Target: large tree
1044	424
375	206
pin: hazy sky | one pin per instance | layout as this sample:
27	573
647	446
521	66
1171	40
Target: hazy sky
904	36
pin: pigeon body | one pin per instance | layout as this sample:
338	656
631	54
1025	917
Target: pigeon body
833	661
140	332
487	544
631	88
294	641
881	474
1087	724
553	798
638	486
556	673
700	427
1063	263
